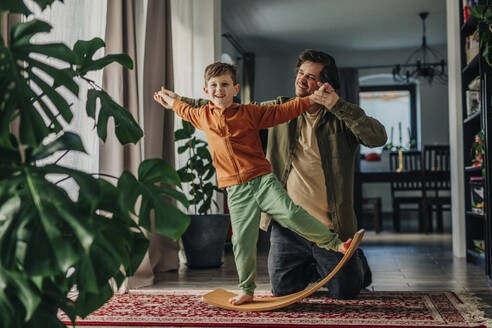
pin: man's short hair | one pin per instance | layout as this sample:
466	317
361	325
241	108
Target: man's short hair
218	69
329	73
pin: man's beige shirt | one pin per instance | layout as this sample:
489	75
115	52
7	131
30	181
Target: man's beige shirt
306	182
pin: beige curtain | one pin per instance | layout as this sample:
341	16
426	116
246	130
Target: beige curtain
122	85
159	123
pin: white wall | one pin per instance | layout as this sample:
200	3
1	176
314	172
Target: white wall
456	129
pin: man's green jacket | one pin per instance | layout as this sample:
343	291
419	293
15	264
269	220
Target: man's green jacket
339	133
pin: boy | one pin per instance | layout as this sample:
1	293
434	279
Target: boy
232	134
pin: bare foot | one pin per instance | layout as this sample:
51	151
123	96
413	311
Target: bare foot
240	299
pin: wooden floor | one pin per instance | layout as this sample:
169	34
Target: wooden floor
403	262
398	262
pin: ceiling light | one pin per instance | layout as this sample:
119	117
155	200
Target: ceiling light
424	63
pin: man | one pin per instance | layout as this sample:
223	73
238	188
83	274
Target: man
313	156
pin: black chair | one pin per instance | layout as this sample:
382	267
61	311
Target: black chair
407	192
436	183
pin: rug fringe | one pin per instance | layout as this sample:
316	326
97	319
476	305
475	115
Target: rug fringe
473	308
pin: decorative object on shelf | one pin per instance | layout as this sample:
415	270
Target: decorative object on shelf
423	63
372	157
472	46
484	15
467	4
400	160
477	195
393	147
479	245
478	151
472	102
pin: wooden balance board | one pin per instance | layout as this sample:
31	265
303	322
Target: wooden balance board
220	297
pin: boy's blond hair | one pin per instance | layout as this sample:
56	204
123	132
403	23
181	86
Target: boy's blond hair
217	69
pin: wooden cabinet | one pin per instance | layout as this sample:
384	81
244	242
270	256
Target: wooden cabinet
476	95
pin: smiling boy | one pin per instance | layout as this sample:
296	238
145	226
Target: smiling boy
241	166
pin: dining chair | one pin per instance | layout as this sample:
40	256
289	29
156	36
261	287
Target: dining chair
436	184
407	192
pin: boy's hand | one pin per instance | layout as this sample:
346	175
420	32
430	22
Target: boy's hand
343	247
166	98
325	96
170	93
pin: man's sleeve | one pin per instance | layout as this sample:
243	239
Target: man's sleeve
369	131
195	102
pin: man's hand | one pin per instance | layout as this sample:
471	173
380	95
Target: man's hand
343	247
166	97
325	96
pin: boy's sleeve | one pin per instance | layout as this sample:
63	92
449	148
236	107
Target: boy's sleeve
189	113
268	116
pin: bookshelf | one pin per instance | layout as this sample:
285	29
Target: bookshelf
476	77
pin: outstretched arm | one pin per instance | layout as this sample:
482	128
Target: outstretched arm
169	100
268	116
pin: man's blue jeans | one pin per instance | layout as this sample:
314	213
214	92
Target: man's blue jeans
294	263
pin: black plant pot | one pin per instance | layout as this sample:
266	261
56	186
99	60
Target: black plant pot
204	240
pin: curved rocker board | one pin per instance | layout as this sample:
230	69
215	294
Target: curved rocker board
220	297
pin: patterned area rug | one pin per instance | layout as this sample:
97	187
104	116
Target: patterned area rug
370	309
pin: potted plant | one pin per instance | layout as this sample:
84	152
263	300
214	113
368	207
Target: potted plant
204	240
51	244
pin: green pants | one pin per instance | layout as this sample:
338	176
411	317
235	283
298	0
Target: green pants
265	194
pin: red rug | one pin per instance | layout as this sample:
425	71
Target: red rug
370	309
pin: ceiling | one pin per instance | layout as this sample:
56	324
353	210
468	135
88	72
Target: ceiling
288	26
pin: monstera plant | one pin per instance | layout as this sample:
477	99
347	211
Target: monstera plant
51	244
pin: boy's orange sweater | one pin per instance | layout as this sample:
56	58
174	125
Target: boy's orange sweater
233	135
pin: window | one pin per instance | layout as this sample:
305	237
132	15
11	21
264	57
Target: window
394	106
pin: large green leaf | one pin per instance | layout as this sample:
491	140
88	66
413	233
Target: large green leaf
8	225
88	302
55	222
85	50
14	6
22	77
88	186
157	170
67	141
18	6
169	221
23	32
126	129
16	289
